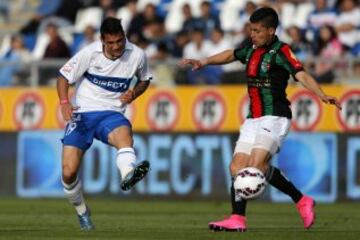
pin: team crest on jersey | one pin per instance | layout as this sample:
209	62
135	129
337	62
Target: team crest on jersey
265	66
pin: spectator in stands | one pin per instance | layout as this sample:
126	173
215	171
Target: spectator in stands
298	43
163	71
127	13
147	23
207	20
4	10
190	22
89	37
329	51
178	44
16	56
348	22
63	12
219	44
108	7
244	16
201	47
322	15
245	37
56	48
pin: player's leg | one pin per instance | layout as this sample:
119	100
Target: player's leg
131	171
304	204
240	160
237	220
116	130
266	145
78	138
72	185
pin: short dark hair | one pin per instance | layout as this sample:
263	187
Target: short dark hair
267	16
111	25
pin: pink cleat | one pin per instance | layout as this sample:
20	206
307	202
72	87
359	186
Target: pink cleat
235	223
306	210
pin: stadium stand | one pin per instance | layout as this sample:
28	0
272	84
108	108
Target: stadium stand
168	25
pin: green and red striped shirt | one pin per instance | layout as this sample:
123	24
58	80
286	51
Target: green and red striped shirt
268	70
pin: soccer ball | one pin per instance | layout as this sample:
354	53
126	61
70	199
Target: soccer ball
249	183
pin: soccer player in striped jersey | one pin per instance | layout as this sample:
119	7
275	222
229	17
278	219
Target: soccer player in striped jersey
102	73
269	63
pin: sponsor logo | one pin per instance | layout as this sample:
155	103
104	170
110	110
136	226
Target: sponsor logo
163	111
29	111
209	111
349	116
307	111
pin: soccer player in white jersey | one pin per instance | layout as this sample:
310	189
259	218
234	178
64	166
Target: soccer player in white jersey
101	73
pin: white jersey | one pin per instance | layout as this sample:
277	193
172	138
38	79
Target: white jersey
101	81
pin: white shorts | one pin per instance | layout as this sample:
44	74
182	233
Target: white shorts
266	132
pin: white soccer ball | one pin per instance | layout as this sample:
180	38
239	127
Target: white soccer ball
249	183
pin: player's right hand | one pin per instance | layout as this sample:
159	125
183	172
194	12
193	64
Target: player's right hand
67	111
196	64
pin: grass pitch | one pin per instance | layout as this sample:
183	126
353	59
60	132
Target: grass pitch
125	219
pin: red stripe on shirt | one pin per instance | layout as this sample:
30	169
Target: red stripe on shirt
290	56
255	102
254	63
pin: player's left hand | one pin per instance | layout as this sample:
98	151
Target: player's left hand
127	97
331	100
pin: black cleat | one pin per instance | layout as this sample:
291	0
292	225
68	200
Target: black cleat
136	175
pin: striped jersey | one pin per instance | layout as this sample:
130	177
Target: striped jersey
101	81
268	70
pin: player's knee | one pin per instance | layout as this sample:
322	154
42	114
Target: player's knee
120	142
261	165
68	175
235	167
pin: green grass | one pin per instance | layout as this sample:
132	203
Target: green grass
119	219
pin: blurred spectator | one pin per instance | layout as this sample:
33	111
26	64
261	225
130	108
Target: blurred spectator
89	37
321	16
220	43
298	43
127	13
190	22
162	69
245	37
146	23
329	51
4	10
108	7
178	44
207	20
56	48
63	12
348	22
17	56
244	16
200	48
149	47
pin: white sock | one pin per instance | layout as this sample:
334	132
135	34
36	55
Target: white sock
125	161
74	194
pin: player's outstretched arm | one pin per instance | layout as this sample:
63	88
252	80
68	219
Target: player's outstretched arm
67	109
131	94
224	57
309	82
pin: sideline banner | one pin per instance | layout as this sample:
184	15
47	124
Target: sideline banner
187	165
186	109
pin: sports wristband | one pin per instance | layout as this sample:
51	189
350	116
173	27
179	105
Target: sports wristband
64	101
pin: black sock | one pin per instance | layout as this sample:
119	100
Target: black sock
278	180
238	205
